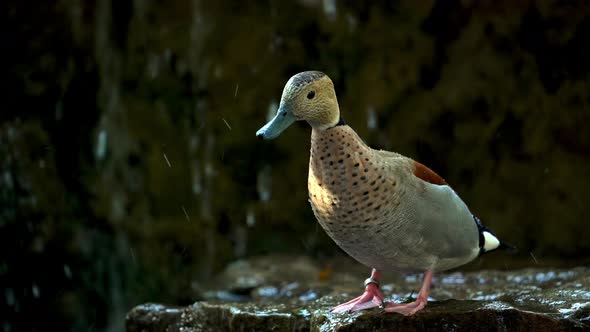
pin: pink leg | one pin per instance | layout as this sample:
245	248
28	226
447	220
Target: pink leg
371	298
408	309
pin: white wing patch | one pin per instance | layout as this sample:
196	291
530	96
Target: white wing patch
490	242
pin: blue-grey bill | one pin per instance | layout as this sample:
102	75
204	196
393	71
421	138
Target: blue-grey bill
277	125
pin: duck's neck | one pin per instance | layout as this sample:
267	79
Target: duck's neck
337	155
326	121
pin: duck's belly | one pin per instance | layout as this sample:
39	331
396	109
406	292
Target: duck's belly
411	231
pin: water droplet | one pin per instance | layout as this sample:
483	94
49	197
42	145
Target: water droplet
101	145
371	118
59	110
194	142
8	182
209	170
329	7
250	219
264	183
197	188
9	297
167	56
218	71
352	23
11	133
132	254
153	66
35	290
118	201
67	271
240	241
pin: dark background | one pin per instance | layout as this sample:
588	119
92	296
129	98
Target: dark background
129	168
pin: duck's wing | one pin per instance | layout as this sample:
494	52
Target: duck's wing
419	170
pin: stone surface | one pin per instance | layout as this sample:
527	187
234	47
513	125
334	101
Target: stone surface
278	293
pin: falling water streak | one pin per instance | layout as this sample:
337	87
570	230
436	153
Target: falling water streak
110	63
167	161
236	91
132	255
203	174
200	29
59	110
533	256
208	179
206	206
194	164
185	214
227	124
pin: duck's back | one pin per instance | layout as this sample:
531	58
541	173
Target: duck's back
376	209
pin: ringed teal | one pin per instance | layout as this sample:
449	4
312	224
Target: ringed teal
387	211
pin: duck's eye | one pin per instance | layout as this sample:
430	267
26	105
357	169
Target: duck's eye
310	94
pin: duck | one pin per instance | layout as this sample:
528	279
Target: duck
387	211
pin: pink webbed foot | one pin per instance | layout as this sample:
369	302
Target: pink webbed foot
371	298
408	309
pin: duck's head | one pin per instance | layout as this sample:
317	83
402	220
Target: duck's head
308	96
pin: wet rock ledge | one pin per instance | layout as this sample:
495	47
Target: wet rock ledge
294	294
